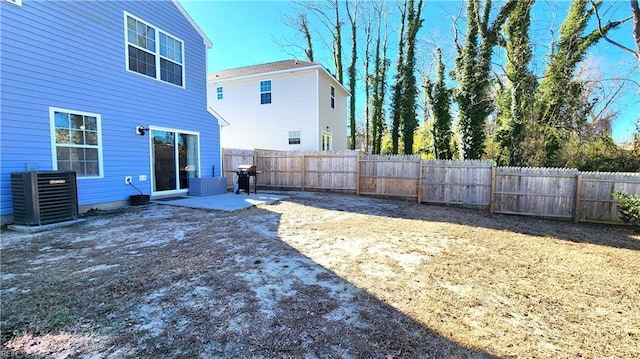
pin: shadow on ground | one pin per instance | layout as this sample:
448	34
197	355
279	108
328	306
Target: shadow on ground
172	282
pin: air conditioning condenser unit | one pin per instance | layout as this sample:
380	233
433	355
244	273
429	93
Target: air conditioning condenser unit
44	197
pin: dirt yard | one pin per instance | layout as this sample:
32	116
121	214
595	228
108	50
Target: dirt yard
321	276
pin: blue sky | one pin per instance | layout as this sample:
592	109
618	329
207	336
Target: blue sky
249	32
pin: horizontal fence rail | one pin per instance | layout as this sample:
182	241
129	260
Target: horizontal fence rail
541	192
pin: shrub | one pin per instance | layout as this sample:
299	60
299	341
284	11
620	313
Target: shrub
628	207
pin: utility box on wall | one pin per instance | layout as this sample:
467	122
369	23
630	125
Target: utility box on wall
44	197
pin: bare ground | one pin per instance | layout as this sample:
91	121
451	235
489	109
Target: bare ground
321	276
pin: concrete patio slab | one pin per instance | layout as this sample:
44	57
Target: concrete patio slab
223	202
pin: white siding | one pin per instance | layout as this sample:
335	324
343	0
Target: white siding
335	118
296	106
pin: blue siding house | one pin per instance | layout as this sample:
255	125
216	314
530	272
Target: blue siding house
110	89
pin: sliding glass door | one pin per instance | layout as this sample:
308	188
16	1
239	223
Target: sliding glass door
175	158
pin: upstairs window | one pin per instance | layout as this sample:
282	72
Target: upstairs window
15	2
153	52
219	92
265	92
333	97
294	137
76	140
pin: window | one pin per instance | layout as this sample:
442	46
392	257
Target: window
154	53
326	141
333	97
76	142
15	2
219	92
294	137
265	92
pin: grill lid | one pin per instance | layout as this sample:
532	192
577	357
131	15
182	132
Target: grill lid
247	168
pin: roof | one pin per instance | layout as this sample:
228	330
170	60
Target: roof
271	68
262	69
184	13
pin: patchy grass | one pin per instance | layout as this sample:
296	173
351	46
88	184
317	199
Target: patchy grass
321	275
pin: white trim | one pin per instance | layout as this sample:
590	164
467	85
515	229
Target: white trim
289	138
156	52
54	145
17	3
151	164
330	136
205	39
219	117
270	92
214	80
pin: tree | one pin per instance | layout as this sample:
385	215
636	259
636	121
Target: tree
396	99
439	99
472	67
522	84
635	14
560	103
352	71
299	23
379	81
410	91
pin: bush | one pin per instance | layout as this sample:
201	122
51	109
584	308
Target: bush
628	207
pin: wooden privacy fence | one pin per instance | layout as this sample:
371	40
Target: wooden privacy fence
542	192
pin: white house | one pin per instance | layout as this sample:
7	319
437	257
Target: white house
284	105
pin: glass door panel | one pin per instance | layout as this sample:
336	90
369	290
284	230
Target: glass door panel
164	160
187	158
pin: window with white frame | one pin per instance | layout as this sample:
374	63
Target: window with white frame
333	97
265	92
326	141
219	93
153	52
76	141
294	137
15	2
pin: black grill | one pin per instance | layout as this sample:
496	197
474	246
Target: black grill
244	174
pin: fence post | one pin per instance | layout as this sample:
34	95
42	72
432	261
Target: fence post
420	180
358	173
492	196
578	204
303	173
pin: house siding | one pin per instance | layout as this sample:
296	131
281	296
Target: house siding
294	107
72	55
335	118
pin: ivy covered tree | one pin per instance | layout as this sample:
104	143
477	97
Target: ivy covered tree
439	99
472	72
515	103
560	103
410	93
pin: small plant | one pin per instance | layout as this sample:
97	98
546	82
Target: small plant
628	207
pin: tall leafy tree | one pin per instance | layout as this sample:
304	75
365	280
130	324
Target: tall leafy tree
379	81
352	15
560	103
439	98
410	91
521	85
472	67
396	99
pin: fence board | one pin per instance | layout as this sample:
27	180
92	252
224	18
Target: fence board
456	182
231	159
597	203
396	176
543	192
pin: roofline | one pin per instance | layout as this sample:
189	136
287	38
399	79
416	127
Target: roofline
278	72
219	117
205	39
